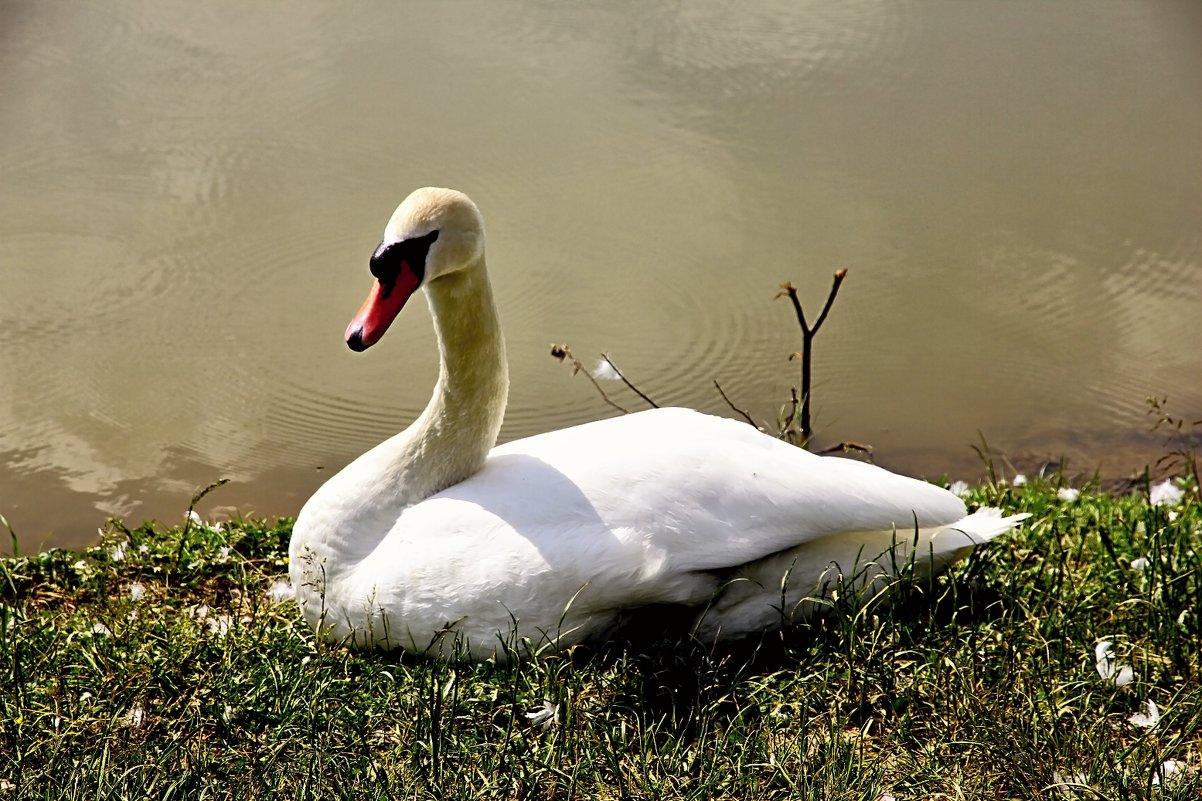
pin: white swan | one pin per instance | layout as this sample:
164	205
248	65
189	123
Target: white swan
436	542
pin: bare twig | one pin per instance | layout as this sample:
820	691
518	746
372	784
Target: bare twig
846	447
626	381
745	415
563	352
807	343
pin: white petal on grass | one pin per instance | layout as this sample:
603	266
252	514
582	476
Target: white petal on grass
1108	666
220	624
1148	718
604	371
1068	494
117	552
100	630
1170	771
194	518
135	718
546	717
280	591
1166	493
1019	480
136	591
1103	654
959	488
1140	564
1071	784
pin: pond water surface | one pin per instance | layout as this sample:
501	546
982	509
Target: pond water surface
190	193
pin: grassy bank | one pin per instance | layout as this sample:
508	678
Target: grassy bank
160	664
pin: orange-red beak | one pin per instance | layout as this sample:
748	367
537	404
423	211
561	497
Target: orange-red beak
382	306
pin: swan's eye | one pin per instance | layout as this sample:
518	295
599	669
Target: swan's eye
409	254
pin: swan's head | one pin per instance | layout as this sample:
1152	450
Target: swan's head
433	233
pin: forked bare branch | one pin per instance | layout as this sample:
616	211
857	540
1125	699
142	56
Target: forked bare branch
807	344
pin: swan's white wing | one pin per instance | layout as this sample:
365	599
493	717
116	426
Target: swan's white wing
702	492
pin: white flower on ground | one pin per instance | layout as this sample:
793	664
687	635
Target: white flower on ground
223	552
1166	493
1068	494
604	371
135	718
1171	770
281	590
85	696
100	630
194	518
220	624
1140	564
1071	784
143	548
546	717
218	527
959	488
1019	480
1108	667
117	552
136	591
1148	718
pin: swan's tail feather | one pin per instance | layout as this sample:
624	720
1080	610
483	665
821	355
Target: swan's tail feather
978	528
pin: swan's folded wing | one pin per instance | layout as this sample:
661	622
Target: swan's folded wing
694	492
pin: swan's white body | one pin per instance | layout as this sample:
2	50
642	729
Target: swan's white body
432	543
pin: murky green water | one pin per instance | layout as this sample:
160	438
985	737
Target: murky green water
191	192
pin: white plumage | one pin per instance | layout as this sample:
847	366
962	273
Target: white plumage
432	543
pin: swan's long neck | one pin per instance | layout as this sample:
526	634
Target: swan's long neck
453	436
446	444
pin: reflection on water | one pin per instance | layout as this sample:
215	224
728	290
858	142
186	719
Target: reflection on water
189	206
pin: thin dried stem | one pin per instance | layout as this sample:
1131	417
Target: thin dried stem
626	381
183	537
847	447
563	352
743	412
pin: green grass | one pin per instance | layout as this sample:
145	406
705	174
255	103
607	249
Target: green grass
980	684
